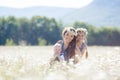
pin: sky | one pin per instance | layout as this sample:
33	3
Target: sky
55	3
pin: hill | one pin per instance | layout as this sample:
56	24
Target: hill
98	13
55	12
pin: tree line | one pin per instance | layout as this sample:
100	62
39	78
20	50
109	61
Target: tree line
40	30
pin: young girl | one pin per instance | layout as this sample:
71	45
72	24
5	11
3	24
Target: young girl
57	51
81	44
68	45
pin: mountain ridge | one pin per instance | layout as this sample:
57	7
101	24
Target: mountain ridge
98	13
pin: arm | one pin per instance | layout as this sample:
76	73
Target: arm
77	56
80	53
84	50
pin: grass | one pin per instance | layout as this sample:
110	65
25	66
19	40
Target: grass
31	63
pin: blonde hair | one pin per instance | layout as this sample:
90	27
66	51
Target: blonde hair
71	48
69	29
83	30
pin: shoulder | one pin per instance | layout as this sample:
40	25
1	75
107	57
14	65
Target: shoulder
59	41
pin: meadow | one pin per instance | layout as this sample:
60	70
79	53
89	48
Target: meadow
32	63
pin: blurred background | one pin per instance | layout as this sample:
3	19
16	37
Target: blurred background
29	28
38	22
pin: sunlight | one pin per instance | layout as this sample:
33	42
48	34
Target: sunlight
54	3
26	63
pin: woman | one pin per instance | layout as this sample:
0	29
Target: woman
68	45
81	44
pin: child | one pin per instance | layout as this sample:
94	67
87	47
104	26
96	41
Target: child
68	45
81	44
57	51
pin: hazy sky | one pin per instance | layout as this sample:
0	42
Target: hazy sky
57	3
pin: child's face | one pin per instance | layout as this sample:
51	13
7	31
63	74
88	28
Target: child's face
57	49
80	36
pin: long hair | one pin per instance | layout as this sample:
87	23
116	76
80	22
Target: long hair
85	31
71	49
86	49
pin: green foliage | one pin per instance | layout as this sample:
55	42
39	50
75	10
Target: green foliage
3	28
46	31
9	42
41	41
101	35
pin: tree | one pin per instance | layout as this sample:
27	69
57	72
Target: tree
3	28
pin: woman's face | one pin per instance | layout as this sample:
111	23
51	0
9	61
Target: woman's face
68	37
80	36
